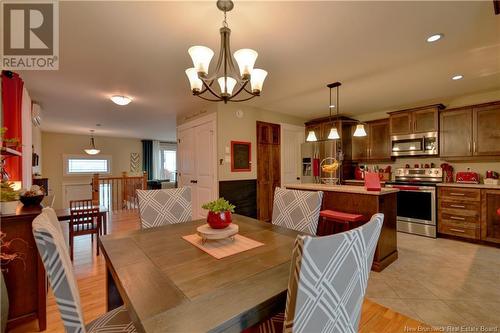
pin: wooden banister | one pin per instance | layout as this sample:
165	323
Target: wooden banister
117	193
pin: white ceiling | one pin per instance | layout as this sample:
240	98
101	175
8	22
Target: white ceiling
376	49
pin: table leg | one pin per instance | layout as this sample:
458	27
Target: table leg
114	299
104	221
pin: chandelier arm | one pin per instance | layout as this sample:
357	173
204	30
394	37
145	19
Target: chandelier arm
243	85
209	99
221	55
242	100
205	89
211	90
251	93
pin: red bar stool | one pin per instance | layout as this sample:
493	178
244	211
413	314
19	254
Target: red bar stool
341	221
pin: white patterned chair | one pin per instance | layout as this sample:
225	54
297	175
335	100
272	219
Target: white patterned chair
161	207
327	283
297	210
53	251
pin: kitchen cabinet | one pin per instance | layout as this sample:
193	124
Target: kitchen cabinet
486	130
490	220
470	131
376	145
459	212
455	135
417	120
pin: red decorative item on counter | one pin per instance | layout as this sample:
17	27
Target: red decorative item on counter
372	181
468	177
315	166
448	172
219	220
359	174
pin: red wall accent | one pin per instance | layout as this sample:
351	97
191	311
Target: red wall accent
12	97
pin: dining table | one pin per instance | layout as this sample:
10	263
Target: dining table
169	285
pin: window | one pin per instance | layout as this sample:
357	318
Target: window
168	166
81	165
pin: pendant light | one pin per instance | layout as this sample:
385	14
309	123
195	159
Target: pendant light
311	137
334	133
360	130
92	150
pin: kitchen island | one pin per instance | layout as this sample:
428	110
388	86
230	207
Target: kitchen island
357	200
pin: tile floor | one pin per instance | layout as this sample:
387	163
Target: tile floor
441	282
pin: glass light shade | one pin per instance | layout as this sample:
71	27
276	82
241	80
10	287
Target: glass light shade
360	130
230	85
245	59
121	100
311	137
334	134
194	80
257	80
17	185
201	56
92	151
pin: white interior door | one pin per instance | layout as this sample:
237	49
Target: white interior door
205	173
186	156
291	139
79	191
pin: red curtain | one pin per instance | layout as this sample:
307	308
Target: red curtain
12	98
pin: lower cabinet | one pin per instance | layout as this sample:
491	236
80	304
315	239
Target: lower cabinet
469	213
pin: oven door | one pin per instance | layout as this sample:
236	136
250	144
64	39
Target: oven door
416	204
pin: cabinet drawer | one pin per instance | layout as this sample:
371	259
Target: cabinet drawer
472	233
462	194
447	216
466	208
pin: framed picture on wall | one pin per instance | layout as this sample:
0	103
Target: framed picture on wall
241	156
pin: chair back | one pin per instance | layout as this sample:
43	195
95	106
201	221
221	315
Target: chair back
161	207
81	204
328	279
52	217
83	219
297	210
53	251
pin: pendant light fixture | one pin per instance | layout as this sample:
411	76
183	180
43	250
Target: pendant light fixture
92	150
311	137
231	80
360	130
334	133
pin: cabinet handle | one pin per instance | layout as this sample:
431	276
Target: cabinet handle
457	218
468	144
457	230
474	146
457	206
457	194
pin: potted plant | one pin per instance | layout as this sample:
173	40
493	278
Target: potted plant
8	198
219	213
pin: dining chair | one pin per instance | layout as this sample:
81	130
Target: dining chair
327	283
50	243
161	207
297	210
81	204
85	221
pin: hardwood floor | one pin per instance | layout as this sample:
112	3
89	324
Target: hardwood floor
90	274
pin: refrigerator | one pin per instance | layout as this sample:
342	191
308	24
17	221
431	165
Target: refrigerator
313	153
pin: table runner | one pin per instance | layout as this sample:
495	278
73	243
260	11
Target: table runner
224	247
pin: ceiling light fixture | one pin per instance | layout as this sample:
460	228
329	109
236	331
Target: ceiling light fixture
457	77
311	137
92	150
360	130
434	38
334	133
231	81
120	99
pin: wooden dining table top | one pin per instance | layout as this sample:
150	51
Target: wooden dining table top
169	285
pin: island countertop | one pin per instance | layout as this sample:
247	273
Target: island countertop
339	188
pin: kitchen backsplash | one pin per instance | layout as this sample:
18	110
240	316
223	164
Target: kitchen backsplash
479	167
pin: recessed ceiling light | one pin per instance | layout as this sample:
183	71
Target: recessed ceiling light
457	77
434	38
121	100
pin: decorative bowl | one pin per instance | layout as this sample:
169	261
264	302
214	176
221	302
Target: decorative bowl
219	220
31	200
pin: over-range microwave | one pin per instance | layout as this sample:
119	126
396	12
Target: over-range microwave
415	144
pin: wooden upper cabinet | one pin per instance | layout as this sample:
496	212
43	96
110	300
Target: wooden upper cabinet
425	120
379	147
400	123
486	130
455	136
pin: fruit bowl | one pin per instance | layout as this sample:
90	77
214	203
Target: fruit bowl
33	200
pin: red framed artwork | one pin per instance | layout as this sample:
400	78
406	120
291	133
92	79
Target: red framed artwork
241	156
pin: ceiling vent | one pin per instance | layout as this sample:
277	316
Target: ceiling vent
36	115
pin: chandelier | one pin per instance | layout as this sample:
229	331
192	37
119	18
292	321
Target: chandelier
247	80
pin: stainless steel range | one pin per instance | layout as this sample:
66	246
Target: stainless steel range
417	199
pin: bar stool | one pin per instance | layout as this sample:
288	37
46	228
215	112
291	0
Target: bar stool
342	221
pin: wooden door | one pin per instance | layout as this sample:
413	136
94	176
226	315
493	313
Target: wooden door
291	138
455	135
205	180
400	123
486	130
425	120
268	167
360	145
490	220
379	140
